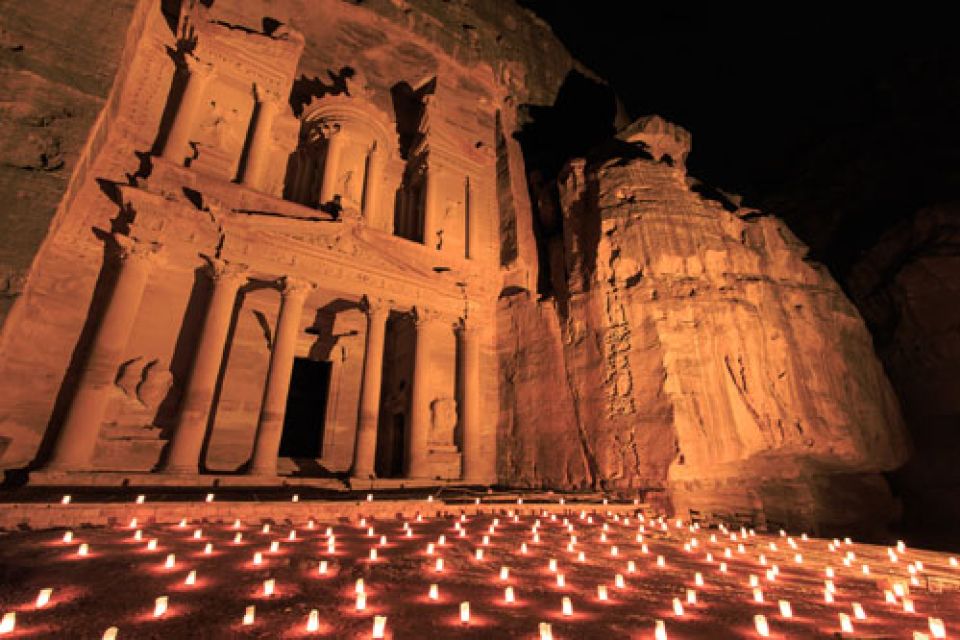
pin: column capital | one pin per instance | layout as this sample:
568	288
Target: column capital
423	315
132	249
292	287
263	95
198	68
374	306
223	271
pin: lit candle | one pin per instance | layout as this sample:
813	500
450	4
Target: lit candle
434	593
659	630
508	594
373	554
238	538
361	601
618	581
43	598
209	497
160	606
908	606
760	622
479	554
757	594
313	621
248	615
152	544
379	626
83	550
677	607
552	565
786	610
257	558
358	586
322	569
723	567
546	633
171	561
845	625
268	586
566	607
293	535
65	500
937	629
465	612
691	596
274	546
661	562
698	579
439	564
631	566
504	573
601	591
561	580
110	633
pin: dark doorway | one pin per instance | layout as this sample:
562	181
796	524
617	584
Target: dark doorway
306	409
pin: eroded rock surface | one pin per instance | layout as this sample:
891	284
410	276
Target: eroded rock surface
696	348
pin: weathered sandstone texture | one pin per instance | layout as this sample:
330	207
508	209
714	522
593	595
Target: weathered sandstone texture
297	239
907	289
692	347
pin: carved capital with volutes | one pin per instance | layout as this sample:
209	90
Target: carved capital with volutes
130	249
294	287
224	272
265	95
375	307
199	69
424	315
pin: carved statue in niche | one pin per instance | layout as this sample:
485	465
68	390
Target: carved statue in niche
443	420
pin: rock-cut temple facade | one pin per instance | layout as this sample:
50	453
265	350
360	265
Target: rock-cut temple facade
298	242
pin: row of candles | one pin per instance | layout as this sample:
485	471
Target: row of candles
936	626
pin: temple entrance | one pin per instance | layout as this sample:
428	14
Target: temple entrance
399	344
306	409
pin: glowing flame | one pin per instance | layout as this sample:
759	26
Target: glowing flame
248	615
43	598
160	606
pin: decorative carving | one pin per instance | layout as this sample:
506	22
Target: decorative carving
222	270
130	248
443	420
374	306
291	286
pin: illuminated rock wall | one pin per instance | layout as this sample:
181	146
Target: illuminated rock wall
694	349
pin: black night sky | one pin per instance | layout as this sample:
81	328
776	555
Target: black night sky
843	123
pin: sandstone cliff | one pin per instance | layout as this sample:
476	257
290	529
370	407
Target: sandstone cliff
692	346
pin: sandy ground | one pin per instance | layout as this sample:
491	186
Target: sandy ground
118	582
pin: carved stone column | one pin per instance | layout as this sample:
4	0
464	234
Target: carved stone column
74	446
191	427
471	222
431	205
417	448
176	147
331	163
371	187
474	469
258	156
272	410
364	454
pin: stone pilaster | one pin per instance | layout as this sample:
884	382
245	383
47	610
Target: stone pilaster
336	139
270	423
475	467
75	444
417	453
176	148
195	407
364	455
258	155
